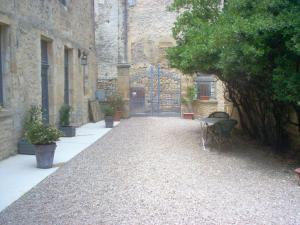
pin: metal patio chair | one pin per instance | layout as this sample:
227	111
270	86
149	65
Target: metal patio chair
219	114
221	132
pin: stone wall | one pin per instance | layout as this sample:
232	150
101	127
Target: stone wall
25	23
149	33
202	108
139	34
111	33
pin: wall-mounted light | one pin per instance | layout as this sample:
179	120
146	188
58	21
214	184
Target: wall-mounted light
83	59
131	2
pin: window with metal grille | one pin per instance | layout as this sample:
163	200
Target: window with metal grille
1	70
206	87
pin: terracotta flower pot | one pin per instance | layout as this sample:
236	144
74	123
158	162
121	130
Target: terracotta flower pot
118	116
204	97
188	116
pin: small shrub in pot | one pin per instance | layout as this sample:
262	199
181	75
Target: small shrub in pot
24	147
118	104
188	101
44	138
64	121
109	112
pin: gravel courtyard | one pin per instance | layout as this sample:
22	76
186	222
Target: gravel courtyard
153	171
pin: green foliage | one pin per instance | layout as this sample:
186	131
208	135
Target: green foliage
36	132
189	98
248	39
108	110
253	46
34	114
64	115
117	102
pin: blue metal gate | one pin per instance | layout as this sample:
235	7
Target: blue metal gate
155	92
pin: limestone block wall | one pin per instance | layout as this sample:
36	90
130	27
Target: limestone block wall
6	133
139	33
23	24
149	33
111	36
202	108
107	19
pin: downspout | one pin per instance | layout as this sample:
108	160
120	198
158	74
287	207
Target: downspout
126	32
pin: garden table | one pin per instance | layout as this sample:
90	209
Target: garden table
205	123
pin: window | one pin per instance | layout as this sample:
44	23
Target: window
206	87
1	70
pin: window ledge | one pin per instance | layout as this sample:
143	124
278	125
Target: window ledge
4	113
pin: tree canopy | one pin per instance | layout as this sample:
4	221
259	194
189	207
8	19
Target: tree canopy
253	46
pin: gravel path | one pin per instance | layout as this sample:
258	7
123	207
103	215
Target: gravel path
152	171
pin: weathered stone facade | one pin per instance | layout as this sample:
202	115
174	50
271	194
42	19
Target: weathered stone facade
149	32
23	25
111	36
141	30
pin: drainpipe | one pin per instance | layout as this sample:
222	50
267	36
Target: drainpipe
126	31
122	32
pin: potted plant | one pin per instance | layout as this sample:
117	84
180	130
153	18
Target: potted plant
188	100
109	112
44	138
64	121
24	147
204	97
117	103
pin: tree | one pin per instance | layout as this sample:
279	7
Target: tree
253	46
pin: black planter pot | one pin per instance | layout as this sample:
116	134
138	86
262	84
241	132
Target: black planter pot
44	155
68	131
24	147
109	121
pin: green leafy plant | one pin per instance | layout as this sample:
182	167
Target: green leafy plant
253	47
64	115
117	102
108	110
34	114
189	98
36	132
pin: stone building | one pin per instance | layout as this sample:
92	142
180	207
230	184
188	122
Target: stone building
47	58
137	33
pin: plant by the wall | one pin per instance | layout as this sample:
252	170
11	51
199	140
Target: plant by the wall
64	115
36	132
108	110
117	102
34	114
39	134
253	47
189	98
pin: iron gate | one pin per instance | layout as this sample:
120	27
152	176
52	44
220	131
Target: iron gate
155	92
